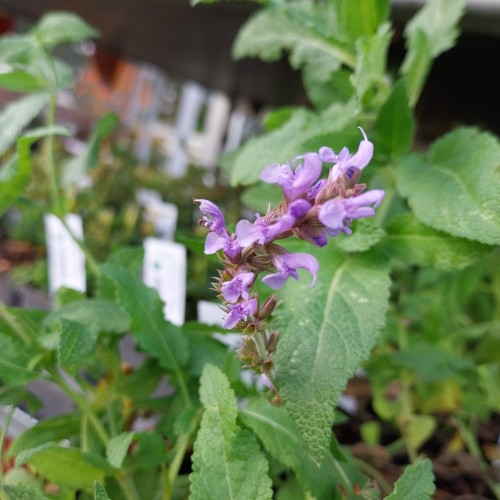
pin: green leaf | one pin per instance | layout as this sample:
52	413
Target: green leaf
416	483
20	81
431	32
280	437
75	342
24	492
77	167
49	429
369	78
65	466
150	451
395	123
100	492
17	49
227	461
303	132
431	363
364	235
154	334
260	196
326	332
455	189
363	17
118	448
337	88
276	430
278	145
268	33
17	360
17	115
414	243
16	174
55	28
98	315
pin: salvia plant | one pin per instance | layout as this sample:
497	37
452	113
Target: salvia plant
412	295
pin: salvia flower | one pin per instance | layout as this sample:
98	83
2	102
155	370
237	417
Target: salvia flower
294	183
312	210
287	265
238	287
240	312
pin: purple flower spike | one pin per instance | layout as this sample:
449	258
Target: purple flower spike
287	266
260	232
217	224
238	287
240	311
294	184
335	214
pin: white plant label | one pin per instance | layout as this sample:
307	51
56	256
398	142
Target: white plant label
66	260
165	271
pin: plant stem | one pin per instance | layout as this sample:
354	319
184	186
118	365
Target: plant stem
57	207
81	401
374	474
93	265
170	474
344	479
127	486
11	320
183	388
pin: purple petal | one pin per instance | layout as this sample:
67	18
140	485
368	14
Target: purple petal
233	289
276	280
327	155
217	224
372	197
305	176
332	214
363	155
283	224
287	265
275	173
247	233
299	208
312	193
240	311
215	242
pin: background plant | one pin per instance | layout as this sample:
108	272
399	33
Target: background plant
436	230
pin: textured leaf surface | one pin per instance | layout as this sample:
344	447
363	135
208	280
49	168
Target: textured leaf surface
100	492
227	461
23	492
62	27
365	234
369	77
456	188
280	437
414	243
416	483
17	115
268	33
326	332
395	123
75	342
118	448
430	33
148	325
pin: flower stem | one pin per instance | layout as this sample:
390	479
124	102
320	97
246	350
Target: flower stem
3	436
11	320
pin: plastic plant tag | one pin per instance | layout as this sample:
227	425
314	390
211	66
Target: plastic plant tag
66	260
165	270
163	217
